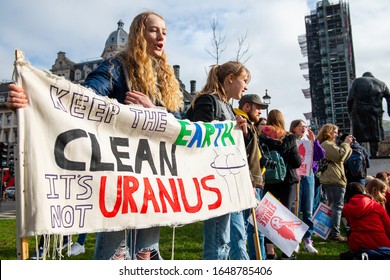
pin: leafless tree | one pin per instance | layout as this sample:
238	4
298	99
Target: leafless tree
217	42
241	52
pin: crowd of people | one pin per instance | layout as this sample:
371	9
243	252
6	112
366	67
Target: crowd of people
141	75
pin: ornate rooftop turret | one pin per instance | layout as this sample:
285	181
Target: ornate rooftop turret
115	42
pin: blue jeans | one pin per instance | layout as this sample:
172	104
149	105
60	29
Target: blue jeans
335	196
250	230
317	193
306	194
81	238
216	238
238	237
137	240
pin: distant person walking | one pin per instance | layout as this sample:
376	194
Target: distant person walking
365	109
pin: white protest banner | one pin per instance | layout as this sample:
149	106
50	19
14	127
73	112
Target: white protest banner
322	221
305	149
88	163
279	224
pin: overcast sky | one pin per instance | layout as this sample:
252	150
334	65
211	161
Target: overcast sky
42	28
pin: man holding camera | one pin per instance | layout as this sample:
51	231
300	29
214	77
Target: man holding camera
249	107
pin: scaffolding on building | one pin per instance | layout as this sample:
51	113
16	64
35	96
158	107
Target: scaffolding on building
328	47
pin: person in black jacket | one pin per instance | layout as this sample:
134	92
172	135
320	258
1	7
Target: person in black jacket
224	236
364	162
286	145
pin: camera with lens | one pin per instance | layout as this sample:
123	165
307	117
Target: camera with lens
353	139
268	163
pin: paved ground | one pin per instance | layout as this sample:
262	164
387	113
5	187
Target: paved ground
379	165
8	207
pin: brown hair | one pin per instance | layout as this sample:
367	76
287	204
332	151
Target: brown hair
217	75
275	118
375	188
260	120
294	124
325	132
147	73
352	189
382	176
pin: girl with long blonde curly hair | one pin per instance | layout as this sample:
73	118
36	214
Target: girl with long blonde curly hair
146	64
138	75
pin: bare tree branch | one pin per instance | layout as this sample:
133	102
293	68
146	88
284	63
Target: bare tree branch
217	42
240	51
218	45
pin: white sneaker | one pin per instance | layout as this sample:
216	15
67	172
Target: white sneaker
76	249
64	245
309	246
122	252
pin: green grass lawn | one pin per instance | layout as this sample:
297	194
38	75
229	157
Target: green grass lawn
187	244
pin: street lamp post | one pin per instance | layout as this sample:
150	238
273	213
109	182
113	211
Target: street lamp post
267	99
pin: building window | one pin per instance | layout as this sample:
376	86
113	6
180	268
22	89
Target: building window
8	119
78	75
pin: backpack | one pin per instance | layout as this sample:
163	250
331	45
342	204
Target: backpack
217	107
277	174
355	166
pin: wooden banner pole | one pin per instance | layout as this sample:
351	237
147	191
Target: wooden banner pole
256	236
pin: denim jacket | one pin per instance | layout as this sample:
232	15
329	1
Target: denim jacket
108	80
